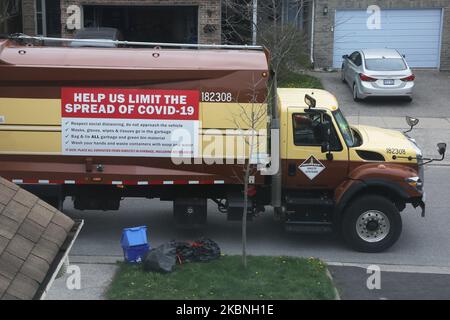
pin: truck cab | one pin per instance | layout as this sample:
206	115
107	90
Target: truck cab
356	179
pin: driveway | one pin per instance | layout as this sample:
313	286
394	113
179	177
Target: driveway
431	97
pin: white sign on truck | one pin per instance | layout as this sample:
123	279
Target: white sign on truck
128	122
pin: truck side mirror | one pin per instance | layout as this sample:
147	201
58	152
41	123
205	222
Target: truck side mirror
310	101
412	122
326	146
442	148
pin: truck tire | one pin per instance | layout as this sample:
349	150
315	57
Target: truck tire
371	223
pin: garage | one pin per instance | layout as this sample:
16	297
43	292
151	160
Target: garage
176	24
416	33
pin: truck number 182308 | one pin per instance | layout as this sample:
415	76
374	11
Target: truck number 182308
217	97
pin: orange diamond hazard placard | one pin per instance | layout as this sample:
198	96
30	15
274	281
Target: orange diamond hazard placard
311	167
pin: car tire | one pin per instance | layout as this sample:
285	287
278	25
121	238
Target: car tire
409	99
371	224
355	93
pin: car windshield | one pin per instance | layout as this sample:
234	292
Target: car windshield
344	127
391	64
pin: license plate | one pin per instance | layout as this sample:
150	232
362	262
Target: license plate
389	82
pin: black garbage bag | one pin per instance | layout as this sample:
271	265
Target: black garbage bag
162	259
202	250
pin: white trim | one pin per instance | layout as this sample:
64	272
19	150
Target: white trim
116	182
441	34
44	17
69	181
194	182
17	181
61	262
142	183
167	182
43	181
219	181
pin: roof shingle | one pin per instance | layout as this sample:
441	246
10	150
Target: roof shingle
31	235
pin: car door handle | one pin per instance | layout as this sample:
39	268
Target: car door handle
292	169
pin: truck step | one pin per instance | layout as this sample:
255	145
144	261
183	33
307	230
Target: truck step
326	202
308	227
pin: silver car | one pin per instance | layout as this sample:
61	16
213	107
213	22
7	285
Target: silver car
378	72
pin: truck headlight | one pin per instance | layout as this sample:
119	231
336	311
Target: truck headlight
415	182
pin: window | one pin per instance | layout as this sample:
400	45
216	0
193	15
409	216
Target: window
345	129
358	60
353	56
310	130
48	18
392	64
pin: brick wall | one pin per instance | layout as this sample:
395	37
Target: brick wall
324	38
209	13
28	17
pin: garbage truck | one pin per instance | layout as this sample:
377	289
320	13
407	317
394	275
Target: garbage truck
179	123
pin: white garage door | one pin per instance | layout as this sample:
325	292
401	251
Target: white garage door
414	33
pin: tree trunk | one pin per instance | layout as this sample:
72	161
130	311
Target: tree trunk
244	215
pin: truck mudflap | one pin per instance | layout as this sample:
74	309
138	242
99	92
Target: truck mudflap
422	206
59	260
420	202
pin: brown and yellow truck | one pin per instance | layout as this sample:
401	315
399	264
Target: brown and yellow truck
101	124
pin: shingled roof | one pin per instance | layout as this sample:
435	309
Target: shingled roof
31	235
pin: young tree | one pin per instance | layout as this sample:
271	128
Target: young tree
283	37
249	121
8	9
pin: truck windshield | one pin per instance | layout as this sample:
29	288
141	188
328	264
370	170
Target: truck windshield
344	127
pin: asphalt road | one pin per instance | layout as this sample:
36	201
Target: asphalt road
424	242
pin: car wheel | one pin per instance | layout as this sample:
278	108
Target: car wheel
371	223
355	93
409	99
343	74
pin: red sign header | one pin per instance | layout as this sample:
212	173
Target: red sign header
130	104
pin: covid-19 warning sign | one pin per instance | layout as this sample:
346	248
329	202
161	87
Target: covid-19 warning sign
129	122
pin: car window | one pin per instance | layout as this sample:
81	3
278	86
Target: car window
390	64
353	56
310	130
358	60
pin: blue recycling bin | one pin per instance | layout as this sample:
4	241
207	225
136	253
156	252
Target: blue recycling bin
134	244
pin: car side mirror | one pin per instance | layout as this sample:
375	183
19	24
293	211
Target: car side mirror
442	148
412	122
345	56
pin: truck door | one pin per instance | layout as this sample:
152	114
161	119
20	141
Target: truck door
306	166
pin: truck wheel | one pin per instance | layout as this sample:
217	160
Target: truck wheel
371	224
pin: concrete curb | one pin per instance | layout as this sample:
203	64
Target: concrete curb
336	292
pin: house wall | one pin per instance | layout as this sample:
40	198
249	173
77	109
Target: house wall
209	14
28	17
324	24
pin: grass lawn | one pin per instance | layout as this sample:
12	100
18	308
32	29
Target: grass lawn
225	278
296	80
